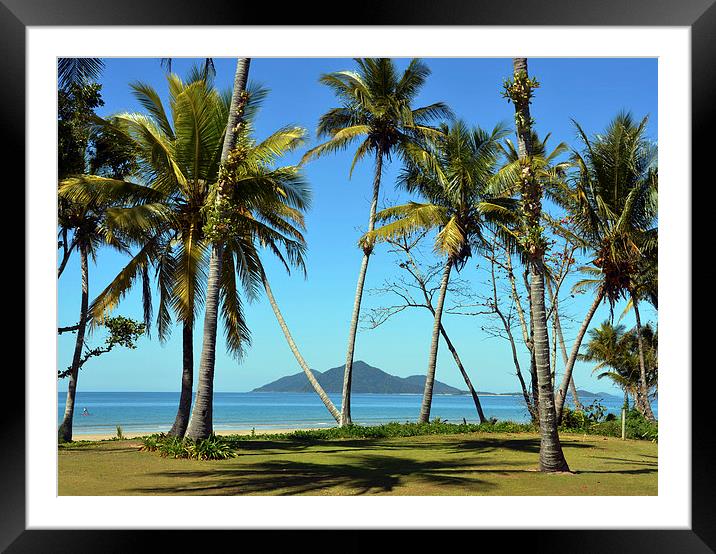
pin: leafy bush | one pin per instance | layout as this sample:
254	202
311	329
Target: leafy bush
152	443
212	448
574	420
593	421
174	447
637	427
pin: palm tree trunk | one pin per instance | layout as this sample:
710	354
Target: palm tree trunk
367	251
551	457
292	345
64	433
433	358
473	393
201	423
569	366
187	382
643	390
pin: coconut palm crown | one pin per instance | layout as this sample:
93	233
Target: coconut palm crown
612	199
454	177
377	108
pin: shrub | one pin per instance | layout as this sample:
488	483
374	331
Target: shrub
212	448
574	420
151	443
637	427
174	447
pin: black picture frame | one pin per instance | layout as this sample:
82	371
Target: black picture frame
698	15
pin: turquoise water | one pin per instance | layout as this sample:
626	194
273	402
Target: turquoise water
155	411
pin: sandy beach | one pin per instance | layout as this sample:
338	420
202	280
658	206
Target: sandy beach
106	436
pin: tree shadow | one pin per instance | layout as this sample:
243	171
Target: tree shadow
367	474
373	466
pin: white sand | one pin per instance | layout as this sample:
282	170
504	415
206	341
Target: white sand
105	436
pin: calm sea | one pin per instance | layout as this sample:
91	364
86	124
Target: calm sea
155	411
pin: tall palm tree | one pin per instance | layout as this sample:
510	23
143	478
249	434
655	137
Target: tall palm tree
85	219
519	90
613	203
179	158
454	177
549	172
376	110
253	204
202	425
168	226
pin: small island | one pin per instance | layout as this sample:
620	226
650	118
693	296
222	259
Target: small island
366	379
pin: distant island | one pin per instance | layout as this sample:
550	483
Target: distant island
368	379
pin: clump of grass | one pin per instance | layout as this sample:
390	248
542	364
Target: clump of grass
151	443
211	448
120	435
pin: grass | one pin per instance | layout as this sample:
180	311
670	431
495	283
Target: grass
474	463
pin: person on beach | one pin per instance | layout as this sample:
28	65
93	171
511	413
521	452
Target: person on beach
85	411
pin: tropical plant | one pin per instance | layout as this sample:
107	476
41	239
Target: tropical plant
252	204
85	220
122	331
548	172
612	201
454	177
616	354
168	226
177	157
376	111
78	71
527	173
82	221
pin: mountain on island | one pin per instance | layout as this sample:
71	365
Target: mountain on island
366	379
587	394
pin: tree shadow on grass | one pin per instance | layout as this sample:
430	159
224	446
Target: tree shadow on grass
367	474
95	448
371	467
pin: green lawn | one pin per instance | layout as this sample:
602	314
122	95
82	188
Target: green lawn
468	464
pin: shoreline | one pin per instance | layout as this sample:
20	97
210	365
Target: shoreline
107	436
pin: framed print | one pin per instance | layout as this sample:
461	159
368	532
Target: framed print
164	160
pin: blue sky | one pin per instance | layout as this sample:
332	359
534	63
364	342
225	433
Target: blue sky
318	308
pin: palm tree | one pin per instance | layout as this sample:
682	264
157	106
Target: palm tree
376	109
617	351
168	227
253	204
178	152
454	177
85	219
519	91
203	423
549	172
612	200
